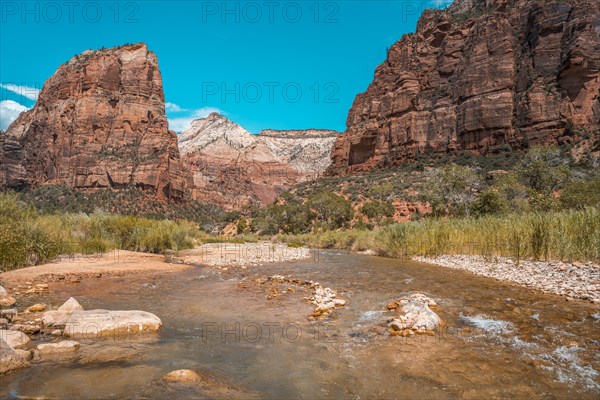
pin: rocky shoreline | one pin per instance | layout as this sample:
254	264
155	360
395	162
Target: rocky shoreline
574	280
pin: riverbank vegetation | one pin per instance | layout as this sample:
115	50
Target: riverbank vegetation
572	235
544	205
29	237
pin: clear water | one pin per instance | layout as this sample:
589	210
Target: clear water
493	348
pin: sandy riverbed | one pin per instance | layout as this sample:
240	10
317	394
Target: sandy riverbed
118	262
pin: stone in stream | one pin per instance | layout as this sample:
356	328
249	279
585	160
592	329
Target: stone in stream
37	308
9	359
9	313
61	348
15	339
415	316
61	316
5	299
95	324
26	354
204	386
183	375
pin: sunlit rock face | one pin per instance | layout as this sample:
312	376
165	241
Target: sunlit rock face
99	122
479	75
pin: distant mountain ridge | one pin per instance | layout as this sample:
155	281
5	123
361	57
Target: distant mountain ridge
235	168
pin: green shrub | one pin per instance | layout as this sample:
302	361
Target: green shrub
581	194
489	202
377	209
331	210
28	238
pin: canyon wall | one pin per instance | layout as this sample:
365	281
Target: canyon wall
477	76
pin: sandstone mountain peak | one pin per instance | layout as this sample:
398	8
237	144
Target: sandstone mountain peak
478	76
204	131
99	121
233	168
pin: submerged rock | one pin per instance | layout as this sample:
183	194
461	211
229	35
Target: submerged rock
9	359
15	339
183	375
203	386
94	324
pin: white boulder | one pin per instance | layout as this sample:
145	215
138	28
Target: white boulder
95	324
64	347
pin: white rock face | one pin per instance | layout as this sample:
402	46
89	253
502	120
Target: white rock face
205	131
15	339
95	324
307	151
232	167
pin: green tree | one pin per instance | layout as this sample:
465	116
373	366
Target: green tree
581	194
489	202
377	209
544	170
452	189
331	210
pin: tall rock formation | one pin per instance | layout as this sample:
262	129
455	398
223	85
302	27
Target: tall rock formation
234	168
99	122
480	74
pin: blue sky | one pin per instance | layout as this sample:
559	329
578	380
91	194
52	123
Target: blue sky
264	64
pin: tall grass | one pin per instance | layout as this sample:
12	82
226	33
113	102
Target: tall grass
29	238
569	236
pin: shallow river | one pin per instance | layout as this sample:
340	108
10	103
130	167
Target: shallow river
501	341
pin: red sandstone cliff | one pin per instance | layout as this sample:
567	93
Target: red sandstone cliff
99	122
479	74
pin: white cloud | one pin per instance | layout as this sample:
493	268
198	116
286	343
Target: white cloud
25	91
179	124
172	107
442	3
9	111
